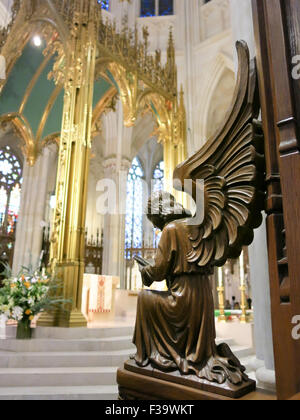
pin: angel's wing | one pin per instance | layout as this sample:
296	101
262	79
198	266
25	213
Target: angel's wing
232	166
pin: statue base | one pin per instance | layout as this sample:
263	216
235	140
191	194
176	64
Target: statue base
137	383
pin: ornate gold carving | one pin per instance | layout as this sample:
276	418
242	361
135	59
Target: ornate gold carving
24	132
144	84
85	48
67	255
128	51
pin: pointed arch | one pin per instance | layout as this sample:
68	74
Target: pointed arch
213	76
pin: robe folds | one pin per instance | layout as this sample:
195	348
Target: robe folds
175	330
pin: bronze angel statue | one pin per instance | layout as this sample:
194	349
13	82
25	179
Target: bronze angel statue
175	330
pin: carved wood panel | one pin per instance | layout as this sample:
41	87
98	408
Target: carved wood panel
276	26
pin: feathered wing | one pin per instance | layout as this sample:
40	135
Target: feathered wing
232	166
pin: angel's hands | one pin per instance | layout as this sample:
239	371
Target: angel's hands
146	281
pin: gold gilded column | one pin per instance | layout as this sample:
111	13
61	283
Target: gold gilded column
175	147
221	295
67	242
169	161
243	289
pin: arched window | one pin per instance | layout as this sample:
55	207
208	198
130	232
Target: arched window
134	208
156	8
104	4
10	190
158	185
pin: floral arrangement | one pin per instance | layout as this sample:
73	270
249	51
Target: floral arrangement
27	295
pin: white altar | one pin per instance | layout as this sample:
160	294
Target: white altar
98	297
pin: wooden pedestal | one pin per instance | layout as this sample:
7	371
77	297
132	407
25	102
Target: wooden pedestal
149	384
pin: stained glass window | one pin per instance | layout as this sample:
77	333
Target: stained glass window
156	7
165	7
3	204
10	190
134	207
148	8
104	4
158	185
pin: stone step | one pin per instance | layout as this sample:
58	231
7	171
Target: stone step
241	352
90	393
58	377
248	362
89	359
75	345
81	333
112	344
67	359
228	341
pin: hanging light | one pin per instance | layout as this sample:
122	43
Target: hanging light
37	41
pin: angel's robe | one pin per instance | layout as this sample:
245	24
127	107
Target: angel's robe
175	329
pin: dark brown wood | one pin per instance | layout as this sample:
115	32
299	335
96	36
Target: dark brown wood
133	386
296	398
276	25
193	382
140	387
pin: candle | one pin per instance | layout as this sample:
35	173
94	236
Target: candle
220	276
242	271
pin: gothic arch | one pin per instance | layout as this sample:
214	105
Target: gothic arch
220	66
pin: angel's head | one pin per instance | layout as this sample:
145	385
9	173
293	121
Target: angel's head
163	209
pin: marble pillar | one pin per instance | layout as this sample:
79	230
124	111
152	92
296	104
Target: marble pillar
34	194
259	277
116	164
242	28
242	23
114	222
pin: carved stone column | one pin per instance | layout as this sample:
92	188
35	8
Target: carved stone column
114	224
259	276
32	211
116	164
